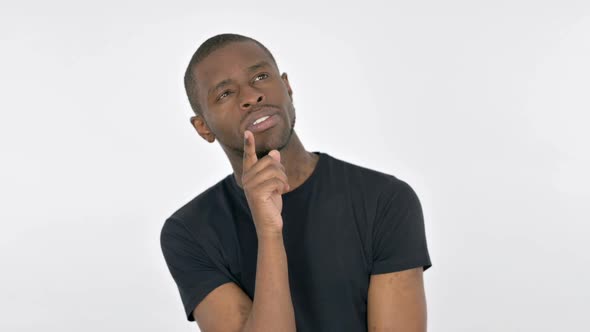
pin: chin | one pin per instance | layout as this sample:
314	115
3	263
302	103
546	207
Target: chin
278	142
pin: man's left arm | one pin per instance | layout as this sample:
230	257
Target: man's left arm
397	302
396	299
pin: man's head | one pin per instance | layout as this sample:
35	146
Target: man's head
233	80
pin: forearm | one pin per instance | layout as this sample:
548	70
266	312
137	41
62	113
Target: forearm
272	307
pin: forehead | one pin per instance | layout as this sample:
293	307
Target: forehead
228	62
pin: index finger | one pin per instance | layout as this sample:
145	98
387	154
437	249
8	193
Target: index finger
250	157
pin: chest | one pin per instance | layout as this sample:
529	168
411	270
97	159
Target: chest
326	254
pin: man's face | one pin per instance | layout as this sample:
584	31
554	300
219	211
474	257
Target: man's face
237	84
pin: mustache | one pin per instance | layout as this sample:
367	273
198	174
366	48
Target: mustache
259	107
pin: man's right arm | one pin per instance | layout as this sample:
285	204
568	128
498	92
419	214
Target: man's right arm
263	181
228	308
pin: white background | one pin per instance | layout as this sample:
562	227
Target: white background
482	106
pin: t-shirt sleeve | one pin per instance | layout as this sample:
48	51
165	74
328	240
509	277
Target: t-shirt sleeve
193	271
399	239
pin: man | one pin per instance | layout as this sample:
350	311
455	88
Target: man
292	240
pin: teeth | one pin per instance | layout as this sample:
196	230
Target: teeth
261	119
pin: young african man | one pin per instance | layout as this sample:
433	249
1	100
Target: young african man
292	240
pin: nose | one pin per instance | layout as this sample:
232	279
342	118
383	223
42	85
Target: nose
251	97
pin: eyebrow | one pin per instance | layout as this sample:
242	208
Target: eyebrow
250	69
257	66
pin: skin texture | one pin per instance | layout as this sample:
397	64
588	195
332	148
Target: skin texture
224	120
397	302
264	182
266	165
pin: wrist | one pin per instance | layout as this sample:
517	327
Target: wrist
270	234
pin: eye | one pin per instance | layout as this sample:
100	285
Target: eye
261	77
224	94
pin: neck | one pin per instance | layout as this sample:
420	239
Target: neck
298	163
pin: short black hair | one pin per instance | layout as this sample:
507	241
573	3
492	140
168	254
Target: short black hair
206	48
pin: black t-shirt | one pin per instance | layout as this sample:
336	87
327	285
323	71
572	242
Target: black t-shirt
343	224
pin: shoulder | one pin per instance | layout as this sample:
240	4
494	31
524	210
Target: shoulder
198	211
370	181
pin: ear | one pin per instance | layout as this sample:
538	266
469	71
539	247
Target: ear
201	127
286	80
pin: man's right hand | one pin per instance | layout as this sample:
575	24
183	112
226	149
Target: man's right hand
264	181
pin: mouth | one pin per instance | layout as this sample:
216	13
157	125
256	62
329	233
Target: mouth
263	123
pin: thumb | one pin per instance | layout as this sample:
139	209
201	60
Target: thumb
276	155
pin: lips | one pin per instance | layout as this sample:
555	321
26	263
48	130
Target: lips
271	121
255	115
